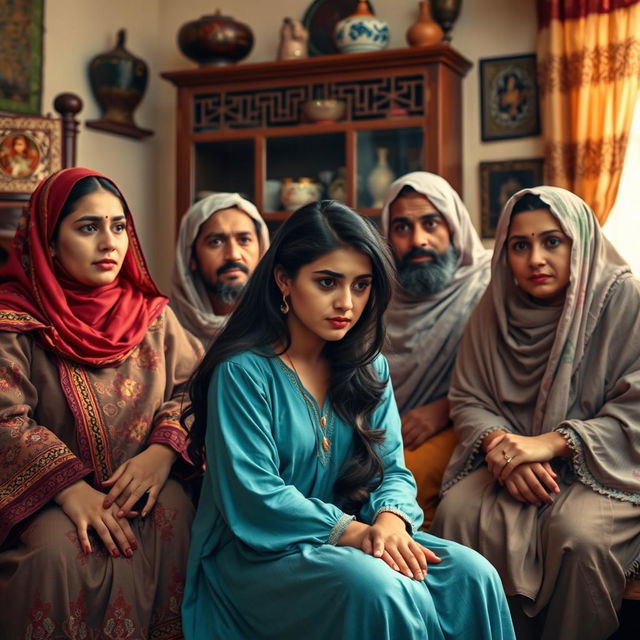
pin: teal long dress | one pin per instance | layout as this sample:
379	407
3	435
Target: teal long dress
264	561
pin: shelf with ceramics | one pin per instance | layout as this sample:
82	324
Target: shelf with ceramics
255	128
299	169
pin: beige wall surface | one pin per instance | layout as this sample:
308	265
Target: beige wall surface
145	170
74	33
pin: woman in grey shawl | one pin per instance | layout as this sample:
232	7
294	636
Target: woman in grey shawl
546	402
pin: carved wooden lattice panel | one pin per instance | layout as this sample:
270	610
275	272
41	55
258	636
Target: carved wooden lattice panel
274	107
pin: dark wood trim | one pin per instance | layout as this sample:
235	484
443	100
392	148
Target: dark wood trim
377	61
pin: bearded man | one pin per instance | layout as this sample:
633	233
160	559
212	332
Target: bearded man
443	270
222	237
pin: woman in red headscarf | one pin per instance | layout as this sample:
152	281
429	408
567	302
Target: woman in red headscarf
94	525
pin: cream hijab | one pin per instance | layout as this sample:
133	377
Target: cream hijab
423	335
530	368
189	297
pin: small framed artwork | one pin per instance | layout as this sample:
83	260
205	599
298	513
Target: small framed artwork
499	181
21	56
509	98
30	150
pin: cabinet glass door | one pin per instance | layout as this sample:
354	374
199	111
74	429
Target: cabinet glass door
304	164
382	156
226	165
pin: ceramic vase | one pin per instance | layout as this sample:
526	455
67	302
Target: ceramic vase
446	13
425	30
293	40
361	31
118	80
215	40
380	177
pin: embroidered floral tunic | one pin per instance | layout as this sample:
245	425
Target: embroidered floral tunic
61	422
264	561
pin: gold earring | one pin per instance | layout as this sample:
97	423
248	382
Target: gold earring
284	307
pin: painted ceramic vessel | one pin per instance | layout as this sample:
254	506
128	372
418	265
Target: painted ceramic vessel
361	31
296	192
215	40
118	80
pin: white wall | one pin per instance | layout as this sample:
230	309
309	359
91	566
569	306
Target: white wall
145	170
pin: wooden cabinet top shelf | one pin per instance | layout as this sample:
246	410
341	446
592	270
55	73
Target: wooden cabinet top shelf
377	61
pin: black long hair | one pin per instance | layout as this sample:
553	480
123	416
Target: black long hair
354	387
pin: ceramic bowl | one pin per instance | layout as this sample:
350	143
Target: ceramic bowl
328	110
296	192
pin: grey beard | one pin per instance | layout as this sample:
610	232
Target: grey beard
423	279
226	293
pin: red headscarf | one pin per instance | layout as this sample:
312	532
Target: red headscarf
95	326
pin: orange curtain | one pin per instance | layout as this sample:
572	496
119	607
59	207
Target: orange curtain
588	73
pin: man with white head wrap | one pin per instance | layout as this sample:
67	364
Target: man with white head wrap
222	237
443	270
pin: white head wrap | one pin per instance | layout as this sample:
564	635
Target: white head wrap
189	298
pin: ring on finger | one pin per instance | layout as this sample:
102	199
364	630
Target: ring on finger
507	458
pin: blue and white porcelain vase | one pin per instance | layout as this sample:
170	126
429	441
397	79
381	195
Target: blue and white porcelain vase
361	31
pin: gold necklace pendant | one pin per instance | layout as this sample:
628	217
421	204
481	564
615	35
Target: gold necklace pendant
311	410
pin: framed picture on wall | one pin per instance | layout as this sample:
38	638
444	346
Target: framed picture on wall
21	56
499	181
509	98
30	150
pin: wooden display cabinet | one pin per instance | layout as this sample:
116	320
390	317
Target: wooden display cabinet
241	125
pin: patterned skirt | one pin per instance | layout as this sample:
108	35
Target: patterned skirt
50	589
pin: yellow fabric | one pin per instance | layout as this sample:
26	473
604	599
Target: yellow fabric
632	592
427	464
589	73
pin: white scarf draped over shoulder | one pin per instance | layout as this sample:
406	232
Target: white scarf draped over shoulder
531	368
189	298
423	335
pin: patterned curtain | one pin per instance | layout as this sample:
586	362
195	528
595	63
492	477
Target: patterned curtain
589	73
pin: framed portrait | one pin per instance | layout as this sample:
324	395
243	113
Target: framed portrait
30	150
21	56
499	181
509	98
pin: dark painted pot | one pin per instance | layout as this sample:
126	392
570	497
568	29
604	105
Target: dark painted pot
215	39
118	80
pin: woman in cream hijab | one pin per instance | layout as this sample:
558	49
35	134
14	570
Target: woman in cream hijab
546	402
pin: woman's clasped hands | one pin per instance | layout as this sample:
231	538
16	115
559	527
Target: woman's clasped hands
388	540
522	464
107	515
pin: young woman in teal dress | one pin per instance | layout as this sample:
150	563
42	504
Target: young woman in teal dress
307	524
